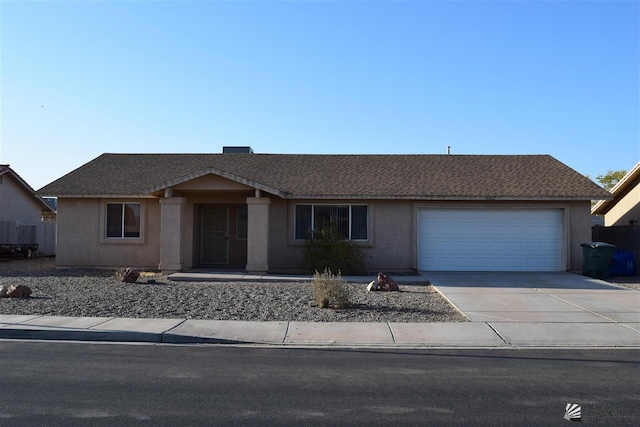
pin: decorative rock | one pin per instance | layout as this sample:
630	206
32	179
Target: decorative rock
386	283
130	275
373	286
13	291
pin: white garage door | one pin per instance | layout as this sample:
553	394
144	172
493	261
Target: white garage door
490	240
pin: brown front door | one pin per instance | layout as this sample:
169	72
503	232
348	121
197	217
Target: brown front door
214	235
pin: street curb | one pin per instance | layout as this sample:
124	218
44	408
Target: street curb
169	338
80	335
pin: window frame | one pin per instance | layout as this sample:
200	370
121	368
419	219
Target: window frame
140	239
336	205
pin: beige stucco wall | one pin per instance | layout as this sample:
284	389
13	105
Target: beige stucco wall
393	236
81	231
389	246
626	209
579	232
392	244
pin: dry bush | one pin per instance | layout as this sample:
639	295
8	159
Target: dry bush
330	290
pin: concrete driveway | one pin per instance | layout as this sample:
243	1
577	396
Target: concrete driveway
545	308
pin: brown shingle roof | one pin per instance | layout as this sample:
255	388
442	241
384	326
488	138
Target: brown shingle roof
452	177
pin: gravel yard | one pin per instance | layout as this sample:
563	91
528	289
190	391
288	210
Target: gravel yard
99	293
632	282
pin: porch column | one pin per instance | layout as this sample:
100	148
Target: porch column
172	241
258	234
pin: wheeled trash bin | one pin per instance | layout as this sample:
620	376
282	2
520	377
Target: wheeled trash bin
597	259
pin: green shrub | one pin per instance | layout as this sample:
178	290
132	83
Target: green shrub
330	290
328	249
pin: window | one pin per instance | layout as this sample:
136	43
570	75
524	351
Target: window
241	222
349	220
123	220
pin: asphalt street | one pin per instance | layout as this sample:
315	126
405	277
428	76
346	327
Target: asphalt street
65	384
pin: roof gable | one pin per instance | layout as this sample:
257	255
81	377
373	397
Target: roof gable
207	181
423	177
212	179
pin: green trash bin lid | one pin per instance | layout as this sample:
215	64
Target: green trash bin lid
597	245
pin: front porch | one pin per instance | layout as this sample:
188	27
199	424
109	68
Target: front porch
214	223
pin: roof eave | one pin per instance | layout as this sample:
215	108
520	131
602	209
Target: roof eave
626	180
441	197
101	196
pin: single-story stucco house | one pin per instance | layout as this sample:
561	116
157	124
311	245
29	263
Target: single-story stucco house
250	211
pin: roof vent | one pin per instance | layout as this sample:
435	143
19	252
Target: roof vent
236	150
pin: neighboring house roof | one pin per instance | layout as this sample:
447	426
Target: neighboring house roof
425	177
5	170
631	179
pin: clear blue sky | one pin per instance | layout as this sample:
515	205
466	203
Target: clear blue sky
81	78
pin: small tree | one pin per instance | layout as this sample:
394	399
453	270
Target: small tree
327	249
610	179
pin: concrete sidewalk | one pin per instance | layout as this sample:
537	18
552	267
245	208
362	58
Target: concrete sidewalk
209	276
507	310
181	331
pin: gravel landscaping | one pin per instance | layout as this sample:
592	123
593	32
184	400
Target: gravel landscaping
99	293
632	282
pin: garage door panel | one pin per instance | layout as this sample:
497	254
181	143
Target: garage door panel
481	263
516	247
497	263
491	239
535	246
499	247
552	247
516	263
534	264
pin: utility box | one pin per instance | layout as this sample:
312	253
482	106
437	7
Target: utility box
597	259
